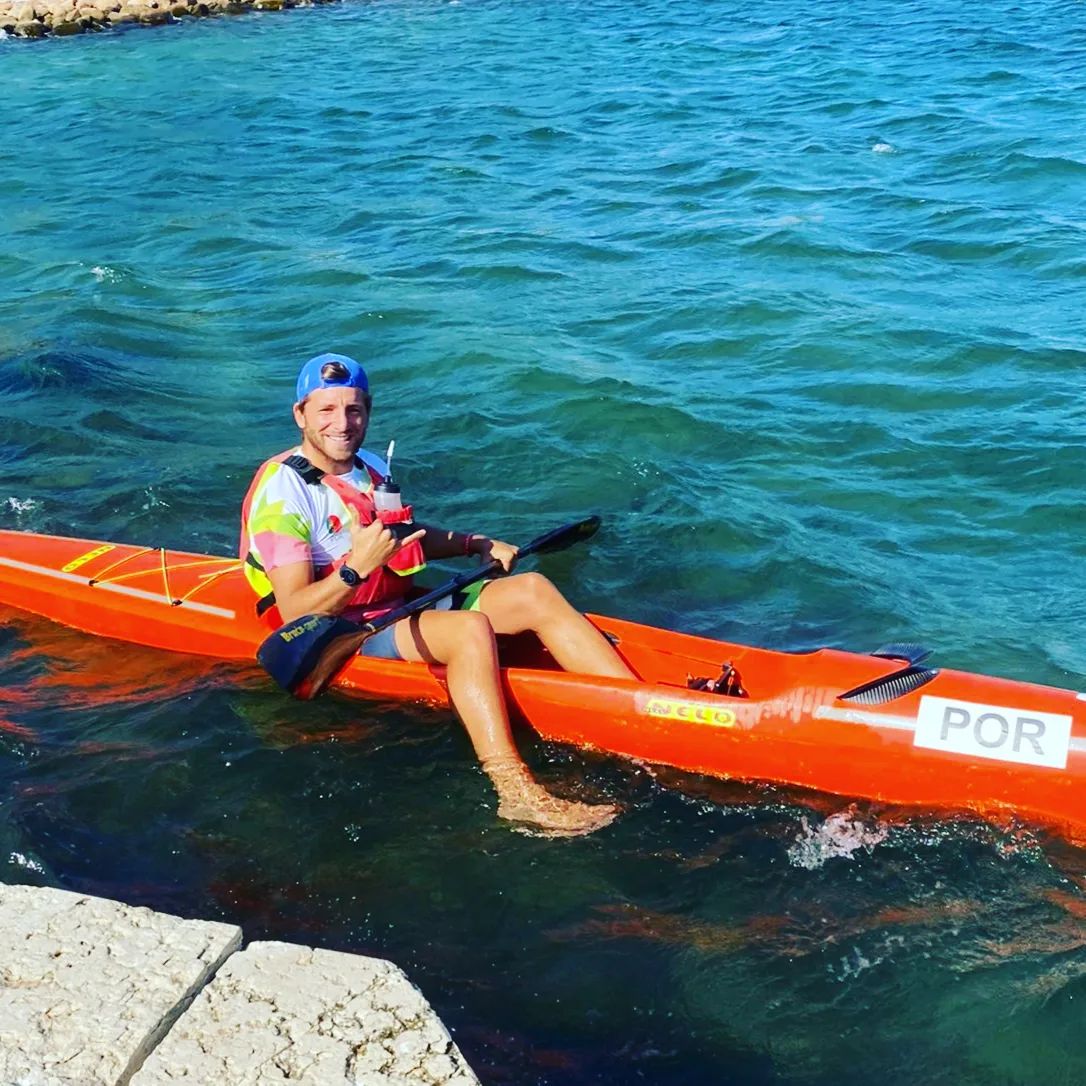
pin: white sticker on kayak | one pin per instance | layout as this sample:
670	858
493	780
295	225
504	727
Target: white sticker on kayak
993	731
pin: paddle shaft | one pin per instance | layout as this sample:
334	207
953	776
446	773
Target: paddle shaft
305	655
556	540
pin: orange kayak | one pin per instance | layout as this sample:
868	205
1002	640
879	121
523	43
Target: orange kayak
884	726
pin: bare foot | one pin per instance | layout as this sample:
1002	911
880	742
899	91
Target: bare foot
555	817
521	799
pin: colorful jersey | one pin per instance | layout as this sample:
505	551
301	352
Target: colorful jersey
291	521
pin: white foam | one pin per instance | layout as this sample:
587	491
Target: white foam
856	961
20	860
20	506
840	836
853	964
153	501
883	148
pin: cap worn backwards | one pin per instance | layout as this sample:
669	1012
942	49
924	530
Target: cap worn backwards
312	376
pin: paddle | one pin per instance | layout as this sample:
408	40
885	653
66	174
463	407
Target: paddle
305	655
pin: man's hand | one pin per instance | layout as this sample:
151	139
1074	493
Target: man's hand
373	545
505	553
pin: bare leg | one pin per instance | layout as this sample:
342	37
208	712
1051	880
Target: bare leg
464	643
528	601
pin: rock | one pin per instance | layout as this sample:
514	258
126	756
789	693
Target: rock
55	11
277	1013
37	18
87	986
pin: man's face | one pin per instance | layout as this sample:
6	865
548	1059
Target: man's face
333	422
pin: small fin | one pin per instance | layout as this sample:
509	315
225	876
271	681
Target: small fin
888	687
909	651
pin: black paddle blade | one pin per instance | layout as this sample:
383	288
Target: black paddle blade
305	655
564	537
909	651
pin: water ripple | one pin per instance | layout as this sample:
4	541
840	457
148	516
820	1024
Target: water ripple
791	295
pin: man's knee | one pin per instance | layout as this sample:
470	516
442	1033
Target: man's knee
538	595
441	636
473	630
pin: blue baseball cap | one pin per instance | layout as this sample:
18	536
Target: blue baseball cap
311	378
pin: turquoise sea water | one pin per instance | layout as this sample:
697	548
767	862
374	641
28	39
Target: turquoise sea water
791	294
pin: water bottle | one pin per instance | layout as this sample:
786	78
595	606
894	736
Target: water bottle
386	498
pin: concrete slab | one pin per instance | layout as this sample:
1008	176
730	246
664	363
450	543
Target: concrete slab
88	986
281	1013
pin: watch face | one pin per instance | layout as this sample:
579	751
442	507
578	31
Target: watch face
349	576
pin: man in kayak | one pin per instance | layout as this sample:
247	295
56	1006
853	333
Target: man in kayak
312	542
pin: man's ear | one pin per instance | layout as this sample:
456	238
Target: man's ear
299	415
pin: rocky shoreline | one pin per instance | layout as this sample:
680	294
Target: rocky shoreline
42	18
98	993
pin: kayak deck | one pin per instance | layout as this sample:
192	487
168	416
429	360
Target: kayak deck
884	728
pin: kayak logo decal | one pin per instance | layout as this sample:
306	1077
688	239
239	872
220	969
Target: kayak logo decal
993	731
689	712
83	559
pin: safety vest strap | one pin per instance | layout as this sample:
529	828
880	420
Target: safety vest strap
309	473
313	475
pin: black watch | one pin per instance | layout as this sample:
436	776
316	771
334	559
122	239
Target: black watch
350	576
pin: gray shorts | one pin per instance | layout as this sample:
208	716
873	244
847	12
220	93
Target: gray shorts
382	645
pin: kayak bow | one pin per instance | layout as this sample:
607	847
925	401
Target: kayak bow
884	726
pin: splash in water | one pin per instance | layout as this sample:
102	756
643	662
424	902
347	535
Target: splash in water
19	860
20	505
839	836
